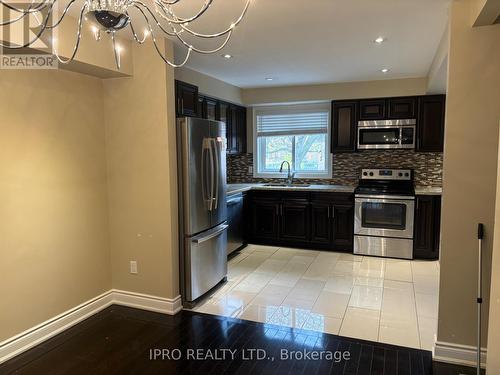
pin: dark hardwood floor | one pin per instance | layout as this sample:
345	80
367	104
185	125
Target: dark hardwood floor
121	340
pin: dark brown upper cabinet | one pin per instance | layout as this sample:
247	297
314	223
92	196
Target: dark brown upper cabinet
344	122
372	109
430	124
210	107
235	118
402	108
186	96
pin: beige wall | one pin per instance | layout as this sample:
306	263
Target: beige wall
327	92
142	185
53	211
470	167
209	85
493	365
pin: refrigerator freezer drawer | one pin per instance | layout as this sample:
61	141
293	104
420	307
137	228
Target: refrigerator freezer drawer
205	262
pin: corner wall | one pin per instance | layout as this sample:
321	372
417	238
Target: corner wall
469	174
142	182
53	206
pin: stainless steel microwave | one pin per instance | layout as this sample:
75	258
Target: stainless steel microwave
386	134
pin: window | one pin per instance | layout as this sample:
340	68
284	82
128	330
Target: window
297	134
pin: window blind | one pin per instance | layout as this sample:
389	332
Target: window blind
301	122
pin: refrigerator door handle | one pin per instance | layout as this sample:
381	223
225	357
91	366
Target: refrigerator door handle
205	149
213	233
215	143
212	174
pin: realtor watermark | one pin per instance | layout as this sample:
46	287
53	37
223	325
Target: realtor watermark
246	354
25	43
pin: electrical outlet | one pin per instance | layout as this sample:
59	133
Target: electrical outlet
133	266
250	169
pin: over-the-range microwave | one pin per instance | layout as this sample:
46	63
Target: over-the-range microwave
386	134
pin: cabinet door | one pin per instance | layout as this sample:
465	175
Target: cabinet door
294	220
372	109
232	130
344	122
427	227
402	108
224	114
263	220
241	129
210	109
186	99
321	224
343	227
201	109
430	124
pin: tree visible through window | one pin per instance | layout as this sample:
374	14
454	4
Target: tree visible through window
297	136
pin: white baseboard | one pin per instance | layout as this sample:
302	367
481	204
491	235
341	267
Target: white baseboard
44	331
458	354
147	302
36	335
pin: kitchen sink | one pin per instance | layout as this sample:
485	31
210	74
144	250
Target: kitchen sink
281	184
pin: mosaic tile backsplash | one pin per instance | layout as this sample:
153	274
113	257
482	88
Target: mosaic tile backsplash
428	167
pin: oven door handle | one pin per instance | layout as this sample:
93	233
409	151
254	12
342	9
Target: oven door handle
386	197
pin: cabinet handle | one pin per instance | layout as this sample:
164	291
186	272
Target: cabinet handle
333	212
182	105
329	215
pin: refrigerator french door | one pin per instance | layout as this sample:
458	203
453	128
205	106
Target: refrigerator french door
201	154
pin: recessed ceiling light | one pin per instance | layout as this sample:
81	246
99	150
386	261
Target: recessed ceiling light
379	40
269	79
227	56
385	70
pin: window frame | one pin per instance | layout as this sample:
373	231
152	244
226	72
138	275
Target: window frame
326	107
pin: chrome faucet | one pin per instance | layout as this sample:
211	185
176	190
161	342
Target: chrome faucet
290	176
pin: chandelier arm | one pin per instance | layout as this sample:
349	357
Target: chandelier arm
21	16
205	52
65	11
153	38
78	38
170	2
10	22
137	2
43	27
230	28
179	20
134	34
39	7
160	26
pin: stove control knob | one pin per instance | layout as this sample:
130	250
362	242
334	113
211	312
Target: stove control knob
365	173
407	174
371	173
400	174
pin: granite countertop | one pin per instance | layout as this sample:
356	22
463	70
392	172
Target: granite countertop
428	190
238	188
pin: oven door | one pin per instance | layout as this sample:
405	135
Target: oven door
384	216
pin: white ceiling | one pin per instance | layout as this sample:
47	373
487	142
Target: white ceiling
321	41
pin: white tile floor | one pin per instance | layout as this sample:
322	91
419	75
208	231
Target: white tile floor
386	300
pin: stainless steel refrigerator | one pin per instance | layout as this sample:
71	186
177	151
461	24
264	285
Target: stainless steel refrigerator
201	155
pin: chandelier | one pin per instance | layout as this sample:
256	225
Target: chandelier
112	16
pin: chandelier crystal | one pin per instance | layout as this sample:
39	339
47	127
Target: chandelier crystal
112	16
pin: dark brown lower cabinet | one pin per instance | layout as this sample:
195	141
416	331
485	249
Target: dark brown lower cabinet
343	227
427	227
263	219
309	220
294	220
